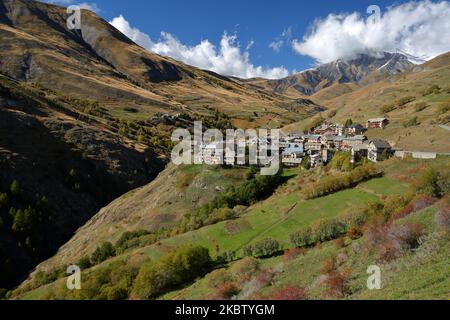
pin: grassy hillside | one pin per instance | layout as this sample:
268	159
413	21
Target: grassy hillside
158	205
277	218
117	73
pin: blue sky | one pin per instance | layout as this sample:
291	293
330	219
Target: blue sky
265	31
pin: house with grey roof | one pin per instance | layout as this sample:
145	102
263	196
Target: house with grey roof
378	150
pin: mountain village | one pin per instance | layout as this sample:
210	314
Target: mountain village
316	147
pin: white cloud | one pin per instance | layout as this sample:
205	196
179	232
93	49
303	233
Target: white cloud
285	37
421	29
228	59
276	45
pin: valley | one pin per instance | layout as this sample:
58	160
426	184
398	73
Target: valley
86	178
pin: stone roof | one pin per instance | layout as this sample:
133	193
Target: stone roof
381	144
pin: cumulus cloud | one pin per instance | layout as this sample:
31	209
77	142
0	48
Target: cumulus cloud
421	29
227	59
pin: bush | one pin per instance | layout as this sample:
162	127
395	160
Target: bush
302	238
290	293
418	203
354	233
434	182
226	291
262	249
336	283
84	263
392	240
443	108
443	214
103	252
115	293
328	266
126	239
244	269
340	243
413	122
218	278
326	230
420	106
15	188
388	108
434	89
341	161
293	253
405	100
333	183
176	268
3	200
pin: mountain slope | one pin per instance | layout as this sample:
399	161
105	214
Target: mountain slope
56	171
100	63
277	218
339	72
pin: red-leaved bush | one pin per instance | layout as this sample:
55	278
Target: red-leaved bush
336	283
290	293
264	277
419	203
225	292
293	253
328	266
354	233
340	243
392	240
443	214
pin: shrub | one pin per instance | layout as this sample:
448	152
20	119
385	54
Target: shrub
420	106
333	183
433	182
418	203
443	214
354	218
226	256
3	200
405	100
443	108
3	293
388	108
302	238
327	229
413	122
15	188
434	89
354	233
341	161
336	283
126	239
290	293
293	253
104	251
115	293
392	240
328	266
218	278
84	263
245	268
340	243
226	291
176	268
264	248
